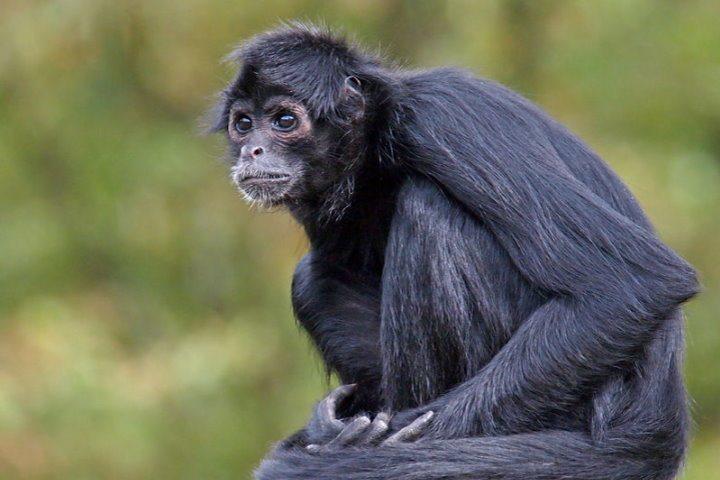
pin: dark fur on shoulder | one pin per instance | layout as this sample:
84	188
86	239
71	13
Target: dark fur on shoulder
477	260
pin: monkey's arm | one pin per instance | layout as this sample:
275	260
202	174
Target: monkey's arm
558	353
610	283
340	312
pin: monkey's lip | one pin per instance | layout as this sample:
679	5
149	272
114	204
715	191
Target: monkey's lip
248	178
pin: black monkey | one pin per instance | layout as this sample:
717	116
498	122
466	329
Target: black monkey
470	257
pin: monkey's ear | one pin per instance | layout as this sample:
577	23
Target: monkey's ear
353	100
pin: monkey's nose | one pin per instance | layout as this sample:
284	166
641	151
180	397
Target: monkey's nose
251	152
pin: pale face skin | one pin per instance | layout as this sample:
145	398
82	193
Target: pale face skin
271	139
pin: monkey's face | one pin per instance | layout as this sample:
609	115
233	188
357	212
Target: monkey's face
270	139
279	152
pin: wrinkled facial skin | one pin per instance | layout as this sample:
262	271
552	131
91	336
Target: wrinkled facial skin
276	150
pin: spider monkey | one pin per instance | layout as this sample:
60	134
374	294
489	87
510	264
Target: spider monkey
490	293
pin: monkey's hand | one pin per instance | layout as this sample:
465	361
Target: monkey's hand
358	431
324	424
325	431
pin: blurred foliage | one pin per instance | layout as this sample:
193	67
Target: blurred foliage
145	324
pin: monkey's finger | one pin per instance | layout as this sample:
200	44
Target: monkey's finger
382	417
326	418
377	429
329	404
411	432
327	407
351	433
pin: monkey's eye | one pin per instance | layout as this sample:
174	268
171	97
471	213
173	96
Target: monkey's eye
285	122
243	124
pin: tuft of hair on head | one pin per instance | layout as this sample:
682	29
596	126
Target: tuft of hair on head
309	61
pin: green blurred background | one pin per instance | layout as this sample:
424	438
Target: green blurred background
145	323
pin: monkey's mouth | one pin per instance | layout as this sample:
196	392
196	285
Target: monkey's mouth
260	178
264	187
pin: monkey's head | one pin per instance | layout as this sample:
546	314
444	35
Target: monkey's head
296	116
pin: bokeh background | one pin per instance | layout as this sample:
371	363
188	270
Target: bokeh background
145	323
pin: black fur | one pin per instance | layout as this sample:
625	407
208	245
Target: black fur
482	263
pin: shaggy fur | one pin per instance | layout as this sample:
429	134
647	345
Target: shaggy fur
479	261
